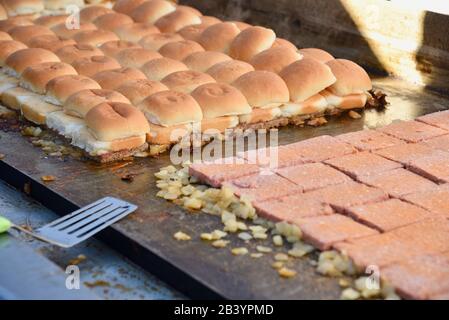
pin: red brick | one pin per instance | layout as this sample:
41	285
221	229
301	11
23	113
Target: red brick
420	277
263	186
323	231
368	140
362	163
412	131
398	182
435	168
346	195
435	200
313	176
388	215
440	143
437	119
404	153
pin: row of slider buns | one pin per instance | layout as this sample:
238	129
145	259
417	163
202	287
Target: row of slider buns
194	95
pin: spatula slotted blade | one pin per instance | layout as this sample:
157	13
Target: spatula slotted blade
85	222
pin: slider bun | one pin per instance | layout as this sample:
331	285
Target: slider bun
51	21
112	48
209	20
94	37
8	47
89	66
351	78
280	42
35	78
4	36
274	59
250	42
241	25
151	11
90	13
158	69
317	54
156	41
20	60
63	32
79	103
306	77
262	89
62	4
137	90
134	32
168	108
127	6
193	32
229	71
110	21
22	7
112	120
6	25
220	99
136	57
179	50
189	9
176	20
218	37
186	81
49	42
202	61
3	14
26	33
112	79
62	87
68	54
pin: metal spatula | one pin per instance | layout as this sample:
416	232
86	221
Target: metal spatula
83	223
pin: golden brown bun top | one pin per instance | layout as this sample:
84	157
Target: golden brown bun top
280	42
168	108
241	25
26	33
68	54
218	37
157	69
3	13
112	121
209	20
20	60
186	81
151	11
176	20
137	90
8	47
306	78
262	88
156	41
95	37
79	103
63	32
274	59
50	42
90	13
250	42
39	75
220	99
112	79
317	54
22	7
136	57
193	32
127	6
229	71
63	87
51	21
179	50
4	36
110	21
189	9
135	31
6	25
351	78
112	48
202	61
89	66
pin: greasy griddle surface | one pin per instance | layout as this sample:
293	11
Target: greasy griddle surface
147	235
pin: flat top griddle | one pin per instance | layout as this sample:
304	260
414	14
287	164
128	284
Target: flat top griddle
146	237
